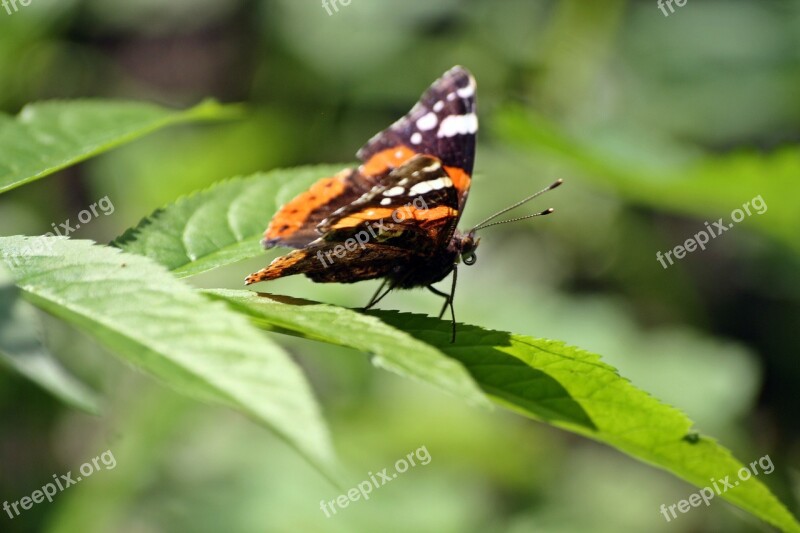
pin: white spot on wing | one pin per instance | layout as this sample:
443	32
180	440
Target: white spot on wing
458	125
438	106
386	201
433	166
394	191
427	122
466	92
416	138
430	185
420	188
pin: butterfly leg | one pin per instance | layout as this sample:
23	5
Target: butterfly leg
444	295
375	298
448	300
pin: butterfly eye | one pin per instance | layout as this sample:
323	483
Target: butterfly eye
470	259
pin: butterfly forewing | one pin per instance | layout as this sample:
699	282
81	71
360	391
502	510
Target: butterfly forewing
416	205
442	124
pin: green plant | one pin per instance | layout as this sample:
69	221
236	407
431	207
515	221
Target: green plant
206	344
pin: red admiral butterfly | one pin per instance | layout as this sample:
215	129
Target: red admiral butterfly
394	217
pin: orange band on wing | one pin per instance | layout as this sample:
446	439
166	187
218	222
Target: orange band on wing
406	212
436	213
359	218
291	216
461	179
386	160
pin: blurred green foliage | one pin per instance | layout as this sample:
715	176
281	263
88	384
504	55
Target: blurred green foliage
657	123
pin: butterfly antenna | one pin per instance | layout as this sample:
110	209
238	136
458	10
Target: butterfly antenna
484	224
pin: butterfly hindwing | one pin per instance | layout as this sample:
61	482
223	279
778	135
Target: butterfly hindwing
324	261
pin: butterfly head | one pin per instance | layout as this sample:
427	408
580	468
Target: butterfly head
466	244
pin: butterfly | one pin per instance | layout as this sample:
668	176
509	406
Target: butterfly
393	217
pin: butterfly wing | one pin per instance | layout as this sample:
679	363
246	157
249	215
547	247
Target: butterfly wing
415	207
324	261
405	221
295	223
442	124
406	196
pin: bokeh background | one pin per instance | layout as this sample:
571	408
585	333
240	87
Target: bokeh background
633	109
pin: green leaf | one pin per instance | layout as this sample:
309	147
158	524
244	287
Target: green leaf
220	225
22	350
547	381
159	324
709	186
49	136
574	390
393	349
